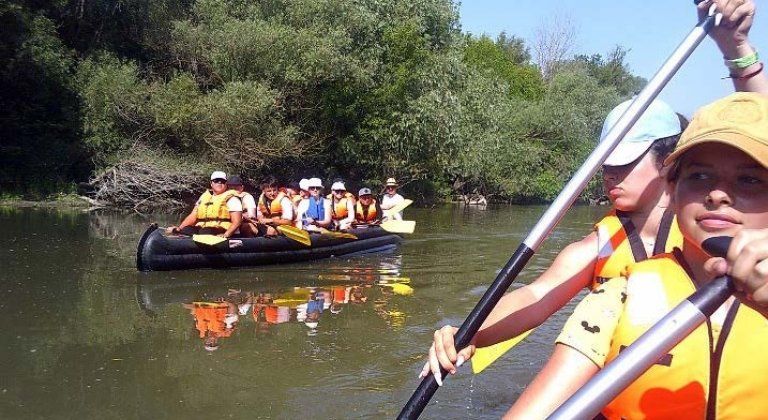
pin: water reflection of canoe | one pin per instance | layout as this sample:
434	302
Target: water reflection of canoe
158	251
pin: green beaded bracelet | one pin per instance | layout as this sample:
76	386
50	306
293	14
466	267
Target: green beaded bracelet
742	62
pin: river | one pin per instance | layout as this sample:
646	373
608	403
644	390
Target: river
87	336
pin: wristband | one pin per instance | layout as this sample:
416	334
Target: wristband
748	75
742	62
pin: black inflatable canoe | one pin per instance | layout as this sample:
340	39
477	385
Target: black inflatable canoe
158	251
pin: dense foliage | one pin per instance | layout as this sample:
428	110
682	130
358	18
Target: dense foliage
359	89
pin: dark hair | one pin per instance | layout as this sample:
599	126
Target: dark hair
663	147
268	182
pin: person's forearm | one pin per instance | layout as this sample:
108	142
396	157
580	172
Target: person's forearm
190	220
501	325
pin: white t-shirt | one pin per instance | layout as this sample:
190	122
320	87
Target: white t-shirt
389	201
249	204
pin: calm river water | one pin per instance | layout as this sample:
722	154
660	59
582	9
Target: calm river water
87	336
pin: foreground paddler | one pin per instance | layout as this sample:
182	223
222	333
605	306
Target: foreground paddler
218	211
638	226
719	177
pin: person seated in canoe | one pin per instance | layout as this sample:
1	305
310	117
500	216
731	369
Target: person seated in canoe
718	175
273	207
218	211
391	198
367	210
293	192
303	189
314	213
342	206
248	227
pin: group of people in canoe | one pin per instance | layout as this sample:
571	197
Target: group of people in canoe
672	186
228	210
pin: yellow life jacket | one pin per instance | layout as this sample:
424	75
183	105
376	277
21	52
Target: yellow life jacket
339	208
367	214
212	210
296	199
717	372
271	209
619	244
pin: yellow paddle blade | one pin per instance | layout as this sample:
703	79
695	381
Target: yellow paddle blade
398	207
484	356
208	239
399	226
298	235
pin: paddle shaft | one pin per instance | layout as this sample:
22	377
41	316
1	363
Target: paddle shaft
557	209
634	360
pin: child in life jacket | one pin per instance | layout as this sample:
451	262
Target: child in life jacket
719	179
638	226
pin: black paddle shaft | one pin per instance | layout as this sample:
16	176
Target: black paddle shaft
471	325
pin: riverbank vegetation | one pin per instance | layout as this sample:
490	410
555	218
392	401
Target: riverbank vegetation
137	101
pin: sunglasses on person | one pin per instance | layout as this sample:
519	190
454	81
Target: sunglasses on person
339	191
219	181
314	188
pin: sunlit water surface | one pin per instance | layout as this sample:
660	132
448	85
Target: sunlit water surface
87	336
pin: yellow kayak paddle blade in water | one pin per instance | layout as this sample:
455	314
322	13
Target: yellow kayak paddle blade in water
399	226
208	239
292	232
484	356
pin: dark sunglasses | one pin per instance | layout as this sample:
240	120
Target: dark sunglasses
314	188
219	181
339	191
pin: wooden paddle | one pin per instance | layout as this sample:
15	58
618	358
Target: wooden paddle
298	235
399	226
398	207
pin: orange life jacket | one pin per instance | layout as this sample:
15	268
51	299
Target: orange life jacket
339	208
271	209
713	373
619	244
365	214
212	210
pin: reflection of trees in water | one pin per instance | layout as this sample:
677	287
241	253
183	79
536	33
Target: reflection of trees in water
121	232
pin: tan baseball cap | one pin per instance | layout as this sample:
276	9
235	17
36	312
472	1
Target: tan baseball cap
739	120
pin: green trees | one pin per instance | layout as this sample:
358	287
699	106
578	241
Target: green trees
363	90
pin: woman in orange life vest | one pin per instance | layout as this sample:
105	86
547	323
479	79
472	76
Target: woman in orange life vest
638	226
218	211
342	206
274	208
720	188
367	210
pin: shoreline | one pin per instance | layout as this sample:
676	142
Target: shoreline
59	202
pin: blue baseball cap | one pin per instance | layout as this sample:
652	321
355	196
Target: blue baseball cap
657	122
